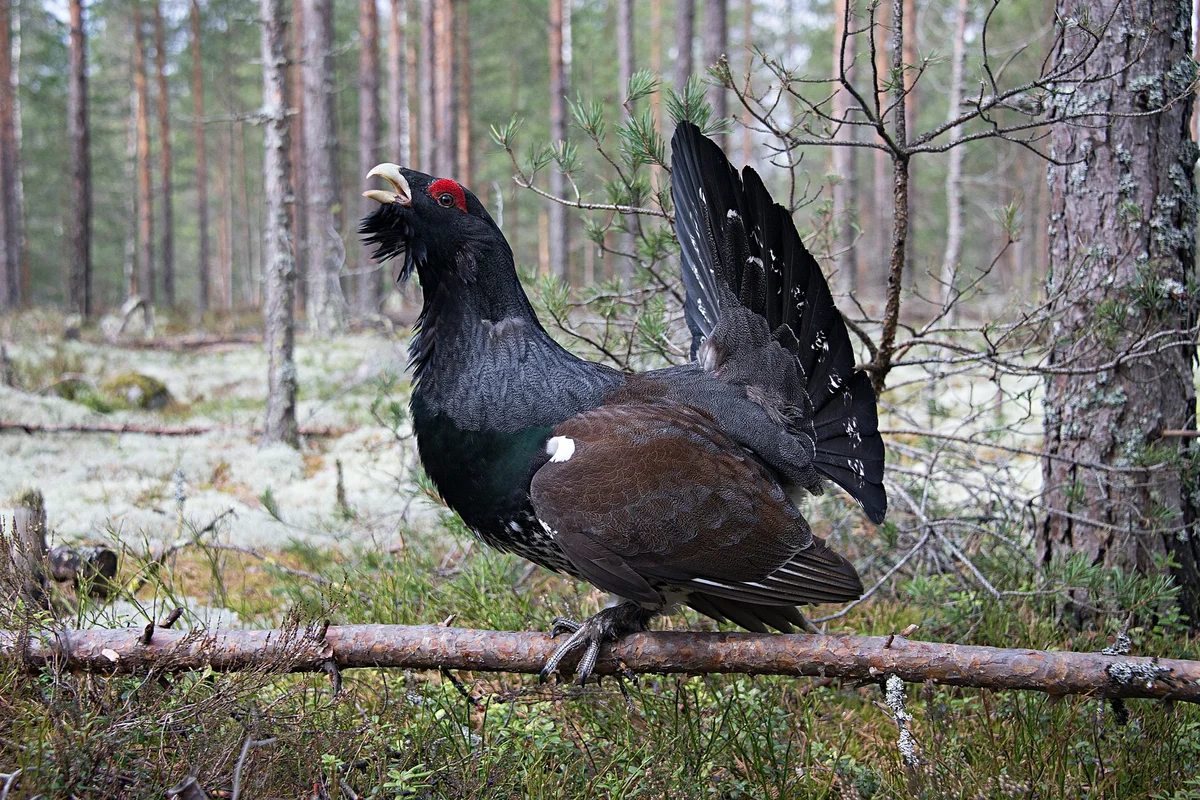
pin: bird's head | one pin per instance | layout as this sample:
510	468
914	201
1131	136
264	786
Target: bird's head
427	223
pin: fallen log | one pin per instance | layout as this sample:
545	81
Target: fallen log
868	658
152	430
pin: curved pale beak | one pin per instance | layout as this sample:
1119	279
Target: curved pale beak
391	174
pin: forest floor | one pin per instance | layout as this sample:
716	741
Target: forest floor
381	551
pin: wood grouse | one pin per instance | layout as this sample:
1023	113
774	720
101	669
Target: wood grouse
673	486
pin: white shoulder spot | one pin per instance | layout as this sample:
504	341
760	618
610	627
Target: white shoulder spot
560	448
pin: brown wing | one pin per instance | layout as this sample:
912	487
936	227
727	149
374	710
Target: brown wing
646	496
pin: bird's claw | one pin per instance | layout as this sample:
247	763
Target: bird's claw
606	626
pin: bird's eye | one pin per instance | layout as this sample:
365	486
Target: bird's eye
445	200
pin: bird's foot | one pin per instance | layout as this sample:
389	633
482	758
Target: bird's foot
607	626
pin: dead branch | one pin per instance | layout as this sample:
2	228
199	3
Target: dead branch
153	430
432	647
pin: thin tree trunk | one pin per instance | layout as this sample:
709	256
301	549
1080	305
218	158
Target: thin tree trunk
202	263
325	251
556	221
299	183
129	263
426	140
897	255
716	46
444	101
17	198
225	223
656	65
277	245
909	24
881	206
462	36
397	61
845	191
369	133
145	281
1124	218
625	67
10	232
79	277
241	210
164	150
954	193
685	31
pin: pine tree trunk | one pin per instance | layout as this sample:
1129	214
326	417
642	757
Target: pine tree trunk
625	67
845	191
954	194
79	275
369	134
164	150
277	234
444	101
426	139
1122	239
716	46
18	188
241	209
145	210
397	92
462	38
556	220
224	275
326	307
10	231
299	184
656	65
685	31
202	263
911	61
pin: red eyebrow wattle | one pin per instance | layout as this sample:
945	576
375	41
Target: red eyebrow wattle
447	186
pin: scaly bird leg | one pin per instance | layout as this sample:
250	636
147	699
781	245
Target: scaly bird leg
607	626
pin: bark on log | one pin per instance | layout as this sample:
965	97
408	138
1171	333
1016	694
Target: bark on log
869	658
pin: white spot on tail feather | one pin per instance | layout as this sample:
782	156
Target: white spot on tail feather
560	448
731	214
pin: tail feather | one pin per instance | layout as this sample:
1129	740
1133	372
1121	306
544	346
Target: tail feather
739	247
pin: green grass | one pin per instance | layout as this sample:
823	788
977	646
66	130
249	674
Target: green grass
413	734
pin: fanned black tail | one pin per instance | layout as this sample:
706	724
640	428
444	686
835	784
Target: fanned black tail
740	249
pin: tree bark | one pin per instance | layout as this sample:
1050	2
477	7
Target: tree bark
462	52
202	262
145	212
397	62
299	184
369	286
845	191
444	90
164	150
954	194
426	139
17	197
326	307
685	31
625	67
1122	241
716	46
430	647
79	277
10	232
556	213
280	424
656	65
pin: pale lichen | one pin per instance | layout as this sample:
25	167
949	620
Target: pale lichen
895	699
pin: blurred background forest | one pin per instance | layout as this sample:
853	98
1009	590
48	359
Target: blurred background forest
201	77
